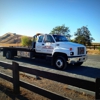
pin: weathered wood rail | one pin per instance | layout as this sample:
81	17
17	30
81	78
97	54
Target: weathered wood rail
88	85
93	47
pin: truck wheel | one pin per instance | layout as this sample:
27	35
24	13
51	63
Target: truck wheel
8	55
78	64
60	63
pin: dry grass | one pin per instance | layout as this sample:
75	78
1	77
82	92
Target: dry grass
53	86
7	45
94	52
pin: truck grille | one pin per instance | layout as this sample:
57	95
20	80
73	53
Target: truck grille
81	50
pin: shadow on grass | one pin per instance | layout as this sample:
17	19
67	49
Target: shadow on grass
7	94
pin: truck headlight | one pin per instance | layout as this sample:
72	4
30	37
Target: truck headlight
71	53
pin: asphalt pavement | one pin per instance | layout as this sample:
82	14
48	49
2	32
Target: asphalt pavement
90	68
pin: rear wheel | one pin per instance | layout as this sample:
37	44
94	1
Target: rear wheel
9	55
60	63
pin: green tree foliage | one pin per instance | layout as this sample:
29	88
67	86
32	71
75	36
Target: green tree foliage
26	41
72	40
83	36
62	30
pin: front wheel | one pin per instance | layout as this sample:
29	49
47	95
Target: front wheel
60	63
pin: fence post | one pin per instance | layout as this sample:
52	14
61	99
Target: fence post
97	92
94	47
16	86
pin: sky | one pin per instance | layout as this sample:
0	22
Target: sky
28	17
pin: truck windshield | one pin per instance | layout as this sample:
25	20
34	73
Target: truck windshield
60	38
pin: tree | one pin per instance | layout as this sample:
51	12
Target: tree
72	40
61	30
26	41
83	36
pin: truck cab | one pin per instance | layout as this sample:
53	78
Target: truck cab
45	44
61	50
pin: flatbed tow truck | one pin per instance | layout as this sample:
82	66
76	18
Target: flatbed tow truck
57	48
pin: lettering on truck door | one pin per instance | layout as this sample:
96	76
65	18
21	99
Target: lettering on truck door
48	44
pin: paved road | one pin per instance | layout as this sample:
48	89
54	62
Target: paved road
91	68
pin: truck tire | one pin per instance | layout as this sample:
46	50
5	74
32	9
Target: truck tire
9	55
60	63
78	64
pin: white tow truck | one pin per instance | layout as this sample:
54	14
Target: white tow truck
57	48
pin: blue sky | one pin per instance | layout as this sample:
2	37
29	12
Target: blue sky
28	17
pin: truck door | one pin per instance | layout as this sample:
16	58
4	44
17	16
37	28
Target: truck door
38	47
48	44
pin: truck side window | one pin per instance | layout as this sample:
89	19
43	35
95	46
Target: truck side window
49	38
40	38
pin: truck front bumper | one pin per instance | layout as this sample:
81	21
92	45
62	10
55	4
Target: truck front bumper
76	59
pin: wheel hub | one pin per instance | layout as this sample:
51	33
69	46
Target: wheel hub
59	63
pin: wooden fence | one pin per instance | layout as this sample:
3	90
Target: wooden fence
93	47
88	85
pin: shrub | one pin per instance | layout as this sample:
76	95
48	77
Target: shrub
26	41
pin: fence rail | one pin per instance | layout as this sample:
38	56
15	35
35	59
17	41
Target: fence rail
93	47
88	85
